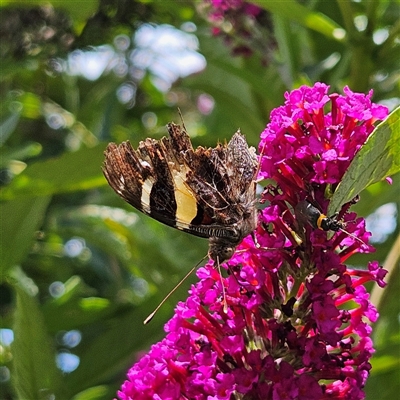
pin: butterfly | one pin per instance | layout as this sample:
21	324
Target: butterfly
207	192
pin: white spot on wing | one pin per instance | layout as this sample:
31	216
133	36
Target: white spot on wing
146	190
145	164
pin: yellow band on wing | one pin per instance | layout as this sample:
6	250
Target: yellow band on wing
186	204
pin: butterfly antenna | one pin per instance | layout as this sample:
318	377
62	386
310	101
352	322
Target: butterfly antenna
181	117
225	307
259	161
150	317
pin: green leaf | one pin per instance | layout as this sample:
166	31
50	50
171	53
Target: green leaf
7	126
80	170
294	11
233	87
76	311
385	363
232	70
384	381
19	219
86	8
121	337
26	150
35	375
232	95
377	159
31	105
94	393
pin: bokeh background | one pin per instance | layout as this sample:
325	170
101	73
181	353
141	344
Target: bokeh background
80	269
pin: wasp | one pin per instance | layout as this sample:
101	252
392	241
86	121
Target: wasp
307	213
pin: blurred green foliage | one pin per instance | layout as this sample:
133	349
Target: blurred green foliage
75	259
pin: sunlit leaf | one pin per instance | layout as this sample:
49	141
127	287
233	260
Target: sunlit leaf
385	363
94	393
19	219
35	375
236	105
77	310
70	172
85	9
294	11
7	126
120	339
377	159
383	382
31	105
27	150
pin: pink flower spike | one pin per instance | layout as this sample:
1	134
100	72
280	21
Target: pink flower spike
296	325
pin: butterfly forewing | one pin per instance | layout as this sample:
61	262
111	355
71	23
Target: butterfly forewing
208	192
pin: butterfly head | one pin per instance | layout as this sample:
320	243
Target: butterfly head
221	249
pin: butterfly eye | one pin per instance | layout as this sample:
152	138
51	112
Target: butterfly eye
226	253
220	250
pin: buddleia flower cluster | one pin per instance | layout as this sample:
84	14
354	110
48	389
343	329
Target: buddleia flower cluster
297	318
243	26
